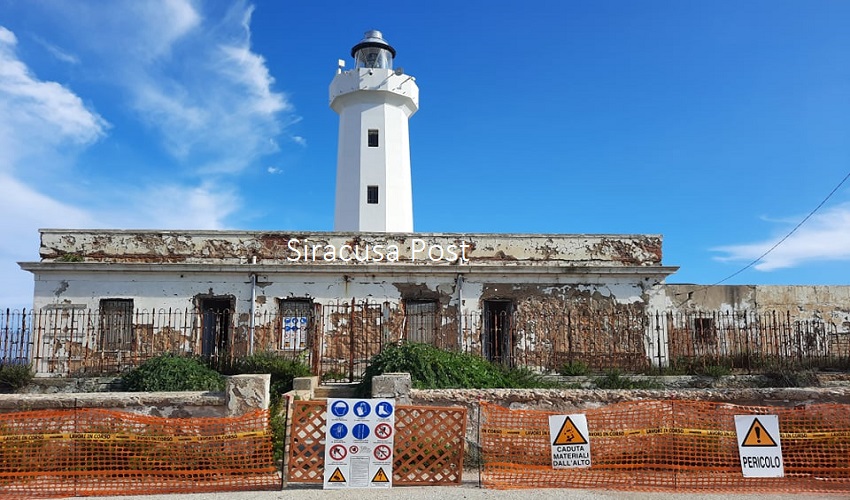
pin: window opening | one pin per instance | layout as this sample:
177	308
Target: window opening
372	195
373	138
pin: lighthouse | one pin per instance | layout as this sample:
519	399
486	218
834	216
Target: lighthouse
374	103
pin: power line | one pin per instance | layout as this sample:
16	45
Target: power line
751	264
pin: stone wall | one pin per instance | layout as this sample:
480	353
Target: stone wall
242	394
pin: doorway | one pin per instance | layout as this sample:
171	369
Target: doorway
216	313
497	336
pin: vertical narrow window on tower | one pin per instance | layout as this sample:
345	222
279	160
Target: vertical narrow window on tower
372	195
373	138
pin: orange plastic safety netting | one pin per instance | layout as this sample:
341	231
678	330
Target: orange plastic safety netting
667	445
87	452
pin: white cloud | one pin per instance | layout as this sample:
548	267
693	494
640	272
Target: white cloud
208	95
824	237
57	52
35	113
297	139
274	170
174	206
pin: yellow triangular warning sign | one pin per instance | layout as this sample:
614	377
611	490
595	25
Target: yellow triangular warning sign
380	477
337	477
758	436
569	434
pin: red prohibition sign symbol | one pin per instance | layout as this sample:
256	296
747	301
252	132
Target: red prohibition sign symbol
383	431
338	452
382	452
353	449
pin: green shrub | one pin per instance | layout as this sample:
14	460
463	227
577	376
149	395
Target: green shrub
574	368
14	376
432	368
281	369
172	373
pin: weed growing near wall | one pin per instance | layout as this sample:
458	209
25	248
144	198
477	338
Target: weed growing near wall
14	376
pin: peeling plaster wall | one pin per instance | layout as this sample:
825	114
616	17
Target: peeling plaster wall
240	247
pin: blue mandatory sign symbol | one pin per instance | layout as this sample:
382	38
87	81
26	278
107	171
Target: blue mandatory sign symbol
360	431
339	431
339	408
383	409
362	409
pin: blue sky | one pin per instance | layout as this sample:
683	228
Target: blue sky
718	124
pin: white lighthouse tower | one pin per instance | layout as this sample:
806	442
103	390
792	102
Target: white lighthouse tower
374	102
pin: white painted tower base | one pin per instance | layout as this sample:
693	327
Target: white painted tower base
373	184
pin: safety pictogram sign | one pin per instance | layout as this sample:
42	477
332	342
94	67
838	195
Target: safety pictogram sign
380	476
759	445
359	443
569	434
337	477
338	452
569	437
383	452
383	431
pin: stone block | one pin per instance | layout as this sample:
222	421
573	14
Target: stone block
392	385
245	393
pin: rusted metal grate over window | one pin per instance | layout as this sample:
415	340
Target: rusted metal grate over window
428	448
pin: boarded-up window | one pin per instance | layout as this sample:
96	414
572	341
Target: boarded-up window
296	318
421	319
116	324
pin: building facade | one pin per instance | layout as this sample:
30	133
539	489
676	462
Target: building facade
336	298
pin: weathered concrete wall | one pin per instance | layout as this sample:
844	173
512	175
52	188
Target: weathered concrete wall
242	394
830	303
241	247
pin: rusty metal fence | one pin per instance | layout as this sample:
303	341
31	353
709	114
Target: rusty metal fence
428	447
15	337
751	341
88	452
671	445
338	340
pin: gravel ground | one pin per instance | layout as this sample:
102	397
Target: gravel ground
469	490
465	492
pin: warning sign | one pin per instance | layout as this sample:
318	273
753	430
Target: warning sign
757	435
570	446
759	446
380	477
337	477
569	434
